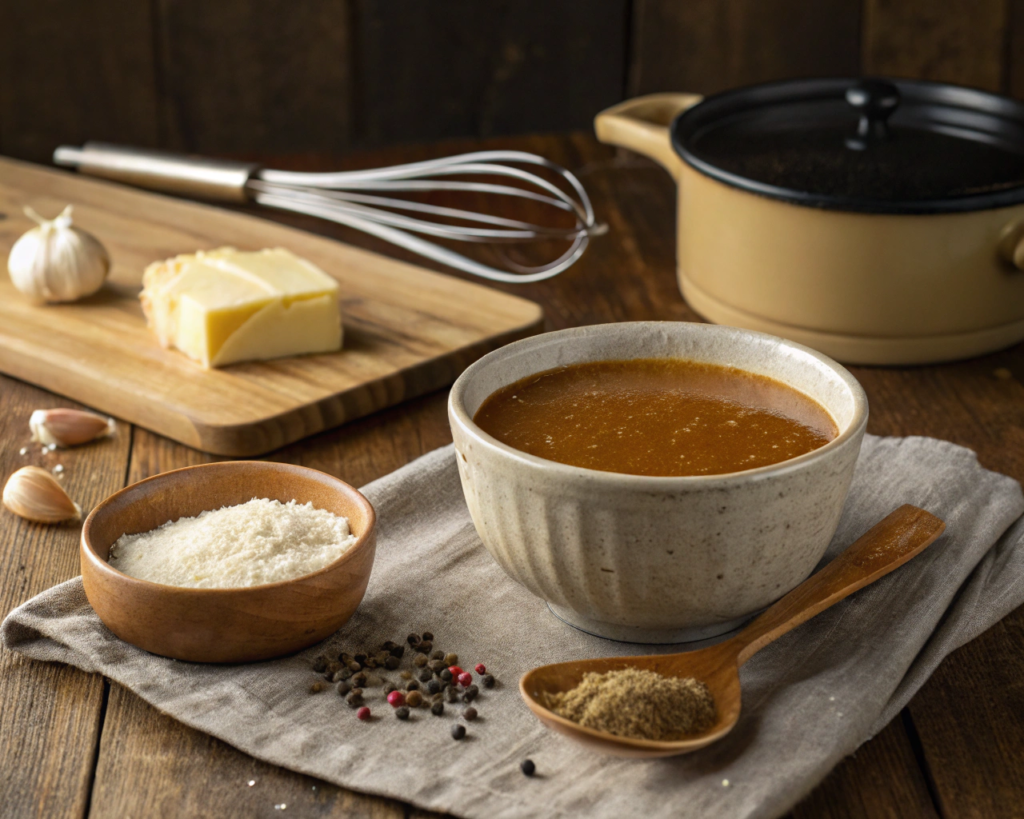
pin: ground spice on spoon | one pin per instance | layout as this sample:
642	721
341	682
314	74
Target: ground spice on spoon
636	703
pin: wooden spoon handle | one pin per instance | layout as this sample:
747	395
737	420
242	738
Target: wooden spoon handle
888	544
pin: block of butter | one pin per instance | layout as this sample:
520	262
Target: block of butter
223	306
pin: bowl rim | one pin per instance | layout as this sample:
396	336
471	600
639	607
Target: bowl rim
99	564
458	413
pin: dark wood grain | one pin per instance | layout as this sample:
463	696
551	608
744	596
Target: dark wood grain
965	726
958	41
703	46
49	714
239	77
72	71
430	70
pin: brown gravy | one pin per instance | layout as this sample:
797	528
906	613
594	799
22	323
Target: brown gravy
665	417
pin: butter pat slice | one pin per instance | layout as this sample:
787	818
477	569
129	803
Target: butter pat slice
224	306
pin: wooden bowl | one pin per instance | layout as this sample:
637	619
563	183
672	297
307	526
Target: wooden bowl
225	625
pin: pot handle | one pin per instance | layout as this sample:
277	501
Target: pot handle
641	124
1011	244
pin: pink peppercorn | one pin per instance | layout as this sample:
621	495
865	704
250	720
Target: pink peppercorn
455	671
465	679
480	668
363	713
396	699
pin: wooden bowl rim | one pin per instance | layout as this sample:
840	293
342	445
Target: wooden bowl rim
100	565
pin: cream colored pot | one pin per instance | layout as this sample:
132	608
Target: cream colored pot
864	287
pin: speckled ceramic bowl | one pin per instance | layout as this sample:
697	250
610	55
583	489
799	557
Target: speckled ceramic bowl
657	560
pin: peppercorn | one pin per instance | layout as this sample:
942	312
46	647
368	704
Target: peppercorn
470	693
437	654
465	679
320	664
340	674
469	714
359	658
437	666
413	639
433	687
333	666
354	666
389	646
391	663
438	697
344	687
370	662
419	660
426	675
316	687
389	687
405	675
414	699
428	635
396	699
426	646
451	659
398	652
355	698
402	713
445	675
458	731
412	685
359	680
451	695
527	767
480	668
382	657
437	709
373	680
363	713
345	658
455	670
487	680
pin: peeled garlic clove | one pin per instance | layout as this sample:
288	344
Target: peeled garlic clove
56	261
68	427
34	494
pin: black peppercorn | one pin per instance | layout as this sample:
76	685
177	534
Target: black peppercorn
359	680
527	767
389	687
359	658
391	663
433	687
389	646
469	714
451	659
428	635
458	731
340	674
437	666
445	675
402	713
412	685
320	664
451	695
426	675
437	654
413	639
398	652
437	709
470	693
414	699
355	698
487	680
354	666
344	687
426	646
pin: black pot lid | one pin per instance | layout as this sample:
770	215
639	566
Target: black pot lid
869	145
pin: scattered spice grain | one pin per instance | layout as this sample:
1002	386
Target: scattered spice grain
465	679
451	659
426	646
412	685
414	699
355	698
316	687
396	699
437	709
470	693
487	680
445	675
413	639
344	687
458	731
433	687
391	663
363	713
480	668
420	660
437	654
402	713
428	635
527	767
426	675
469	714
633	702
320	664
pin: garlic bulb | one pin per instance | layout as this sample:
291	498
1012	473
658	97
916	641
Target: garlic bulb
68	427
57	261
34	494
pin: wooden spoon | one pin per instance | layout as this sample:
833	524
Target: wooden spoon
890	543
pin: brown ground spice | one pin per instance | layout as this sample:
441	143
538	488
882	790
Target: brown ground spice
639	704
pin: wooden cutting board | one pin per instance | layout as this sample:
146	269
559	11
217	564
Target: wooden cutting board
407	330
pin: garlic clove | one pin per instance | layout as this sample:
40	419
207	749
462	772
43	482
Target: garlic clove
34	494
56	261
69	427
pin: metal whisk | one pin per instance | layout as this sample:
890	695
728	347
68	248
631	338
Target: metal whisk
354	198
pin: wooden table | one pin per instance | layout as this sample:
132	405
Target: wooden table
72	744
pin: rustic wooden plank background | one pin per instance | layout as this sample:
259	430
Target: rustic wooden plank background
291	76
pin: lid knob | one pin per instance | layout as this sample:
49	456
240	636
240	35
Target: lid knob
875	101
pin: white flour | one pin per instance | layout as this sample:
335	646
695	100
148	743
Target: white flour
262	541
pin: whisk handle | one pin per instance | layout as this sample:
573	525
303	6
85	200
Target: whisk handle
218	179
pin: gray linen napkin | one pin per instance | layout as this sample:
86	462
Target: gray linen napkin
808	700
